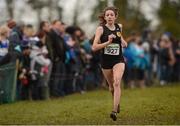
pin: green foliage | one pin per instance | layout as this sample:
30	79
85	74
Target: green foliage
169	14
150	106
122	6
98	9
128	16
131	17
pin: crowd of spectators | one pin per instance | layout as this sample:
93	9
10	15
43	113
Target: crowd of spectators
56	60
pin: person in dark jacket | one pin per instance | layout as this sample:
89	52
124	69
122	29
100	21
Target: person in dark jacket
59	51
15	38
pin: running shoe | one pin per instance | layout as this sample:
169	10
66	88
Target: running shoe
113	115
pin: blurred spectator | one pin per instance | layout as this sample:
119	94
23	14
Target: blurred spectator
138	60
176	68
15	38
76	59
66	51
24	86
11	23
42	65
166	59
59	51
46	28
16	35
4	42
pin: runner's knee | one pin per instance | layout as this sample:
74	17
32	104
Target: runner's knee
117	82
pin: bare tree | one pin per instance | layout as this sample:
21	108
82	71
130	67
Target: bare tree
10	8
75	17
52	6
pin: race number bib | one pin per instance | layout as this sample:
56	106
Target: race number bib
112	49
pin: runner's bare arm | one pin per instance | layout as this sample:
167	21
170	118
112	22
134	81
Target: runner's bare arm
124	43
96	45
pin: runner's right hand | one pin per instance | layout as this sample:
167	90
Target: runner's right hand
110	37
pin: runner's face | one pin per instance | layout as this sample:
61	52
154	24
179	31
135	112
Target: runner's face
110	16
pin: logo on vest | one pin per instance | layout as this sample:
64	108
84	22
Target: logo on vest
118	34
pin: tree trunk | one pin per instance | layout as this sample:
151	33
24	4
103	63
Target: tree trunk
10	8
38	16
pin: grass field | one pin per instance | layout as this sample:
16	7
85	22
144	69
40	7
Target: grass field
155	105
